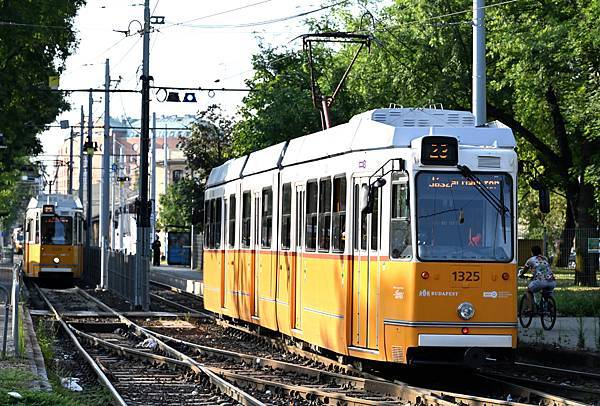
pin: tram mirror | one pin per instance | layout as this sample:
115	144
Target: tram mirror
544	195
379	183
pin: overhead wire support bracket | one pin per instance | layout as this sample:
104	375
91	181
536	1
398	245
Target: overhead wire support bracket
321	102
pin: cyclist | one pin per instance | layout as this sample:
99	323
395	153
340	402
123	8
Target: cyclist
542	279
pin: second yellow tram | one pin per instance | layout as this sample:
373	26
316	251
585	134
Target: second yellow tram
53	237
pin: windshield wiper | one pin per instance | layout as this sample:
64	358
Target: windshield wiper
497	203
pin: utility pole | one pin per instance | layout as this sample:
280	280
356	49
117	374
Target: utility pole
153	180
81	156
143	223
121	198
479	79
70	187
114	168
105	191
166	159
90	159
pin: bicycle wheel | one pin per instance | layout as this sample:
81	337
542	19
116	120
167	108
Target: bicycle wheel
525	311
548	313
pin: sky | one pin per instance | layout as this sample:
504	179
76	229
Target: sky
199	43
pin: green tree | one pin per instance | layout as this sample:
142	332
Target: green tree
177	205
280	106
35	40
543	67
209	144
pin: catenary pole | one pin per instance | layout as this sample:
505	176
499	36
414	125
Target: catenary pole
153	180
479	79
70	186
143	223
105	191
81	126
90	159
122	216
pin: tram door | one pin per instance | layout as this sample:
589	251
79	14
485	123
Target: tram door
298	268
256	254
365	275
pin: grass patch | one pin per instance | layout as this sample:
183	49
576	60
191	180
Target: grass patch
92	396
572	300
16	380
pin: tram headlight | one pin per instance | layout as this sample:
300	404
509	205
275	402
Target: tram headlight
56	260
466	311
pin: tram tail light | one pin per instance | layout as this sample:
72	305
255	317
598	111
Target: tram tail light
425	275
505	276
465	330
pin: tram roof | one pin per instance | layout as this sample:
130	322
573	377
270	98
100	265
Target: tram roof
65	202
374	129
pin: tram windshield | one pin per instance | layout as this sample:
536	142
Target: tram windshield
456	222
57	230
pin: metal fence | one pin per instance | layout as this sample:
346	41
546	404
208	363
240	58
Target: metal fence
91	266
121	275
575	249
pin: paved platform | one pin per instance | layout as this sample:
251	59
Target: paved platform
179	277
569	333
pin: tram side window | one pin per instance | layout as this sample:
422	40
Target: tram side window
217	222
400	238
207	223
286	216
363	225
311	216
338	236
37	229
267	218
324	214
232	209
375	221
246	220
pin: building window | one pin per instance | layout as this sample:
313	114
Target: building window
338	235
232	208
246	201
177	175
267	218
310	236
286	216
324	214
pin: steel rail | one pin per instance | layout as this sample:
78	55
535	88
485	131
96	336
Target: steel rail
529	393
519	390
226	387
99	372
560	370
179	305
380	386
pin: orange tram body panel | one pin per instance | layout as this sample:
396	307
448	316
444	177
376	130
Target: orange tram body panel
374	239
53	238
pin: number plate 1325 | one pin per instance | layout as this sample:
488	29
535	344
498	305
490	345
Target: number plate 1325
465	279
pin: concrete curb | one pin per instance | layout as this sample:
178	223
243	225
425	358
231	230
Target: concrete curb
33	351
569	333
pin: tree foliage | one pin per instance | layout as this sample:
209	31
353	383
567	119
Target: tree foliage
35	40
177	205
209	144
280	107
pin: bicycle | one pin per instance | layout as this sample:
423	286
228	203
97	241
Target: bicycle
545	308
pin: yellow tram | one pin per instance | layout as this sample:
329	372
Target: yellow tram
53	237
388	238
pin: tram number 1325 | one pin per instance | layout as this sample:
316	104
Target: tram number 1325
465	276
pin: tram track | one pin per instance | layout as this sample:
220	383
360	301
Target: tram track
134	382
289	374
500	387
